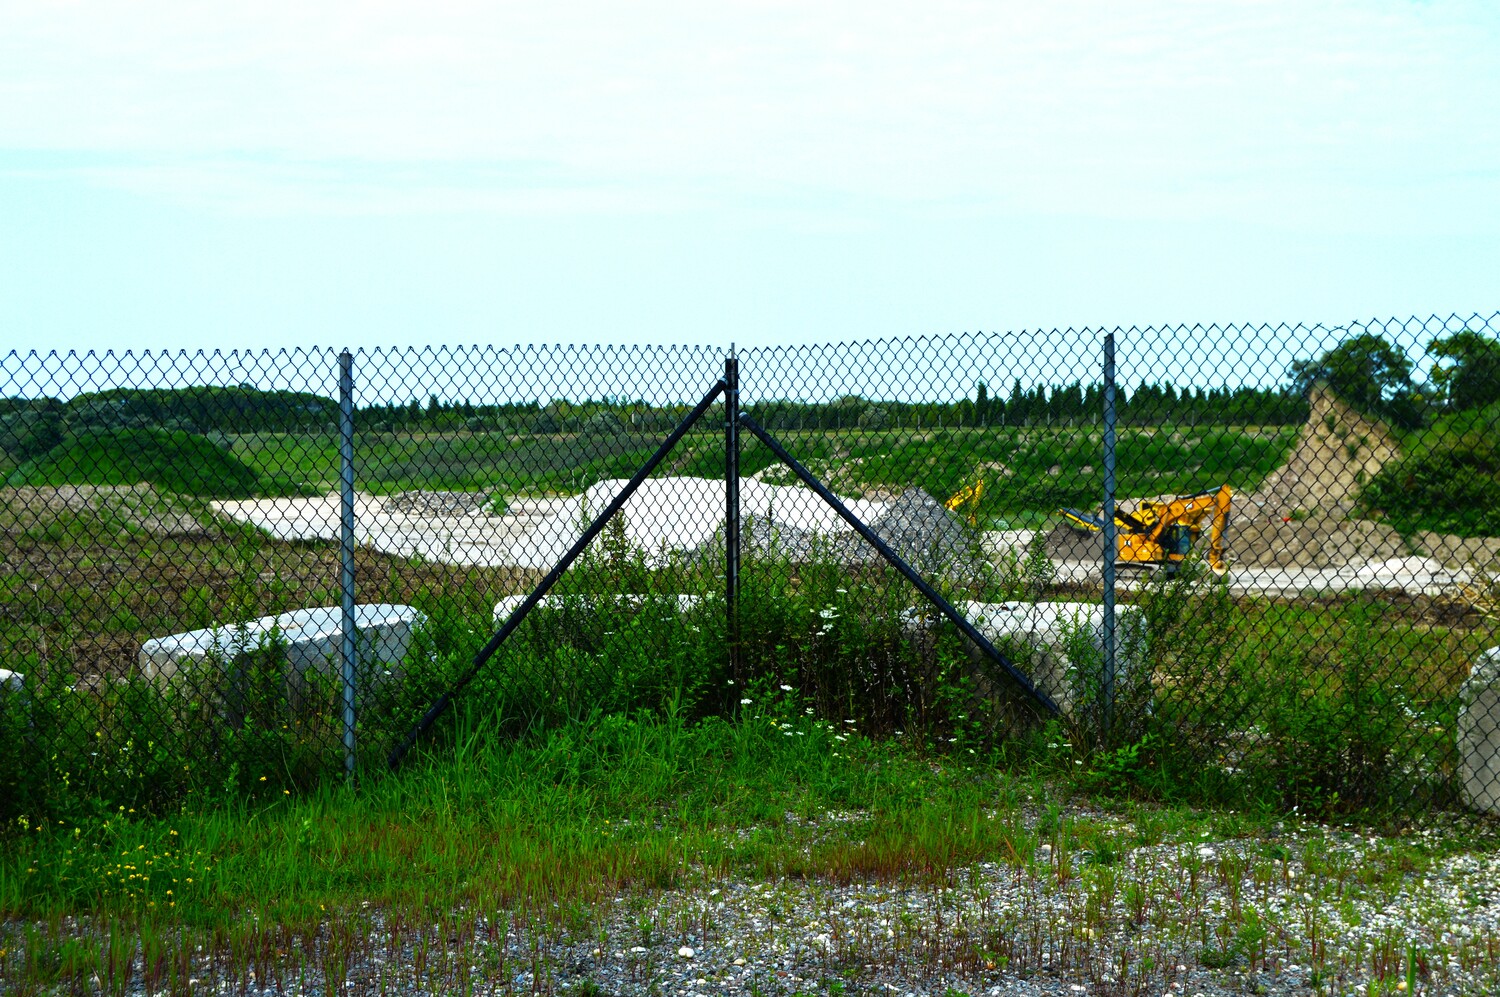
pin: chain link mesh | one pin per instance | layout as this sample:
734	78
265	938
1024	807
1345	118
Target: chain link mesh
171	560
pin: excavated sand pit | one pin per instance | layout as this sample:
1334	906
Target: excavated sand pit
1295	531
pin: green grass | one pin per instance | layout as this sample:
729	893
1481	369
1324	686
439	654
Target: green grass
612	802
172	461
455	461
1033	471
611	831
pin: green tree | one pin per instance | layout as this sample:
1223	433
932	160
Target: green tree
1365	370
1468	369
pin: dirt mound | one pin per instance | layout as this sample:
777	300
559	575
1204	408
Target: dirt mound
1321	541
431	504
1337	451
96	508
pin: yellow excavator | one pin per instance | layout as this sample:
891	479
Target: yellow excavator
1160	534
967	498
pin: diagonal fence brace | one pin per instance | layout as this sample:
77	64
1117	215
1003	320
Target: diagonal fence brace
513	621
896	561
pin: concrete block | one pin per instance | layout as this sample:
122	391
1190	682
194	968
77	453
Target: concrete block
1054	634
1479	734
310	640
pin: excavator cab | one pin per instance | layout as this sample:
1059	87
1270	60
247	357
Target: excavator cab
1177	541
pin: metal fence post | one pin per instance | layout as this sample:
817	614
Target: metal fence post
1108	621
350	644
732	506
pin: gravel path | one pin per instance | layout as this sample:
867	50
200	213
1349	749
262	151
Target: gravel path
1305	910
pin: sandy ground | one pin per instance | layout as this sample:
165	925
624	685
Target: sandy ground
682	516
1292	536
135	507
665	517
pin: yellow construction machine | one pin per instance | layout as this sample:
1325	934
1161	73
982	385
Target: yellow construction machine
967	498
1160	534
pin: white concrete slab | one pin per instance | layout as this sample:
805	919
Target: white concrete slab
310	639
1052	631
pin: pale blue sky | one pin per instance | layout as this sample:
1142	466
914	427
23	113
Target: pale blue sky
183	175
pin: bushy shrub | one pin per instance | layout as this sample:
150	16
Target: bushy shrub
1448	481
29	428
604	424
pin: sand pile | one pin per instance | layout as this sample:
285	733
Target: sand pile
1299	515
1337	451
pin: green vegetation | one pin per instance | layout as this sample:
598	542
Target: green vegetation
1467	372
1446	480
618	834
200	410
172	461
1448	476
29	427
1366	371
1248	702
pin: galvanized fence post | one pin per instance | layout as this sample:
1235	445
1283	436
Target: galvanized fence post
732	507
350	644
1108	621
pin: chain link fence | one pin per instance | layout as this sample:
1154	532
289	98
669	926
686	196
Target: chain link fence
1299	602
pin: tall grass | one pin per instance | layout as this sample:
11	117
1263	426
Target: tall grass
1329	708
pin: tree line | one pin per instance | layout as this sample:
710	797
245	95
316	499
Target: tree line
1072	404
1365	369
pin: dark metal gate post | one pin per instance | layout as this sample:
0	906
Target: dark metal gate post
1108	622
350	644
732	507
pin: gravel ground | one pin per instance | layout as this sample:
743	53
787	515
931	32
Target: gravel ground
1305	910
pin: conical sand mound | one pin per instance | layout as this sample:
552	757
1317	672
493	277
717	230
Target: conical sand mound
1337	451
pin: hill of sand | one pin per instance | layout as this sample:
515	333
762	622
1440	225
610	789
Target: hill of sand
1337	451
